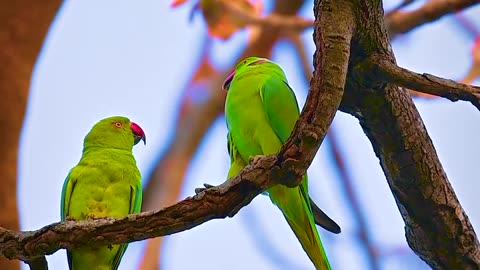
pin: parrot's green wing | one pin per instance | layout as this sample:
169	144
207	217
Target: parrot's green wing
67	190
280	106
282	112
135	207
236	161
276	94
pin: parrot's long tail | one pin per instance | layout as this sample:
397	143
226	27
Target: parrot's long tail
295	205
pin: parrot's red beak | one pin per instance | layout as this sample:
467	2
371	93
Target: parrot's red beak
138	133
228	81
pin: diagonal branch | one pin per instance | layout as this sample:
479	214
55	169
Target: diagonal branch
327	85
217	202
401	22
400	6
283	22
388	72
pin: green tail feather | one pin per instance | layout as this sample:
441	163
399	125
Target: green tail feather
295	206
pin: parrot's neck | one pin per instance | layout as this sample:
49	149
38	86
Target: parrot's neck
98	146
99	149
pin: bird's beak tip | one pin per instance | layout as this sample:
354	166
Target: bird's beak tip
228	81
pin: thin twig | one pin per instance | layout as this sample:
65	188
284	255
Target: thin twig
283	22
403	4
402	22
389	72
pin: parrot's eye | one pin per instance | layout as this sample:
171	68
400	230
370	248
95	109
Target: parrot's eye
118	124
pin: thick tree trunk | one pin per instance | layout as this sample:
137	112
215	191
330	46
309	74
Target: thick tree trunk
23	25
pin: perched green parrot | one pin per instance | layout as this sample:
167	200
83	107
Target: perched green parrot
106	182
261	111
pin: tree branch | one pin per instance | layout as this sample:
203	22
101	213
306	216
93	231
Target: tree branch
217	202
327	85
381	69
402	22
436	226
397	21
274	20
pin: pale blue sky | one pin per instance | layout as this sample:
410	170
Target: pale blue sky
106	58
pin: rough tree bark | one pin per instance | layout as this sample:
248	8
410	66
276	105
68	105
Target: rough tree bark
23	25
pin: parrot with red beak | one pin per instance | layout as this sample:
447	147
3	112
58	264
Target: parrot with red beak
105	183
261	111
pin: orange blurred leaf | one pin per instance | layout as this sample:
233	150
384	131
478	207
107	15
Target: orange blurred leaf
223	17
474	71
177	3
223	24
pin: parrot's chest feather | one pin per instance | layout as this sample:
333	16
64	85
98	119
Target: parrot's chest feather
102	188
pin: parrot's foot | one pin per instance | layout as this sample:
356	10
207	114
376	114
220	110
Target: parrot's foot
206	186
70	218
253	159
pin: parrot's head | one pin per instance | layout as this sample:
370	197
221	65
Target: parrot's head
116	132
243	66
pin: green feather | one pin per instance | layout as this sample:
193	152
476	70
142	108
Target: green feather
261	111
106	182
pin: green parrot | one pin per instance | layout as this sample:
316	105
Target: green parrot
261	110
105	182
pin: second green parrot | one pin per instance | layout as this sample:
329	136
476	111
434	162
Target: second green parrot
106	182
261	110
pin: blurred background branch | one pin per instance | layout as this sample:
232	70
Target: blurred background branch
400	22
23	26
289	22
